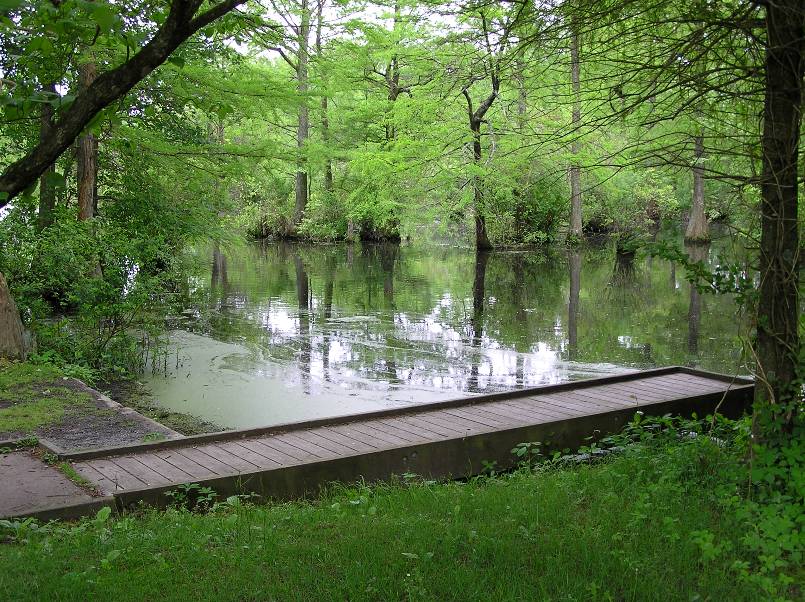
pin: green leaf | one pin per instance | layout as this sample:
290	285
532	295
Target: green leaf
6	5
55	179
104	16
103	514
177	60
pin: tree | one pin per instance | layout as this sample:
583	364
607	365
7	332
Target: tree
184	19
697	221
47	190
778	342
295	51
87	155
575	231
490	65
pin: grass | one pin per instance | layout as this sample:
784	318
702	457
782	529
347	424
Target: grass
33	396
67	469
645	524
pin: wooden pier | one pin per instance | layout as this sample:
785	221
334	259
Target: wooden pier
448	439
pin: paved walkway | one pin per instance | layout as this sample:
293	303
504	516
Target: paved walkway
29	486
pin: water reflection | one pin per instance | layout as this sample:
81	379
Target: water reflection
288	332
696	253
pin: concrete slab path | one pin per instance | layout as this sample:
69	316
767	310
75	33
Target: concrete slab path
28	486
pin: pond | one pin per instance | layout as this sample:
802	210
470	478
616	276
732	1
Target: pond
293	332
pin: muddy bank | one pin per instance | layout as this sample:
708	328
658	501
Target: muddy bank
135	395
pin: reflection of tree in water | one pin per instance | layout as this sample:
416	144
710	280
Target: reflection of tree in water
219	277
387	253
416	306
696	253
327	306
303	301
574	266
627	290
476	323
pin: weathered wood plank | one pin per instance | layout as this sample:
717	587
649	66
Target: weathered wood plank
237	448
101	482
205	460
258	447
371	429
300	455
331	446
350	442
133	466
191	467
163	468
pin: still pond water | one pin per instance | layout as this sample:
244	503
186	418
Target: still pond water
293	332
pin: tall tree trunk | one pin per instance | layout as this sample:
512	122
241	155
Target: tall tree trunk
482	242
778	340
87	155
697	230
47	192
303	123
520	192
325	119
392	77
575	231
12	334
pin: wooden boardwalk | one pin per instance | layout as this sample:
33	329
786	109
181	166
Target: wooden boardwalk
448	439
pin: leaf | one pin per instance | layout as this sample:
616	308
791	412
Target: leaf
104	16
7	5
178	61
55	180
103	514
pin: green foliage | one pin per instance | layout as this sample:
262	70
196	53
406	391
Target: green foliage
192	496
648	522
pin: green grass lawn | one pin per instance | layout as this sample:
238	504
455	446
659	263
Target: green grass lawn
645	524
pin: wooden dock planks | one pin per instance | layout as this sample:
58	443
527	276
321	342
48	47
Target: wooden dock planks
445	439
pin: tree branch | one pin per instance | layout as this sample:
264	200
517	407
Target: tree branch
179	25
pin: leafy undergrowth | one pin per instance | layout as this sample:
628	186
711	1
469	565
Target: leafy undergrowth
655	521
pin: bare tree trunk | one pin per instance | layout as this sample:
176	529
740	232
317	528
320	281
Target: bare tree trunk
778	343
481	238
47	193
575	231
12	338
303	123
697	230
325	119
87	156
519	194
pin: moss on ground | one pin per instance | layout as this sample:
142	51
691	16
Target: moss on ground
34	396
